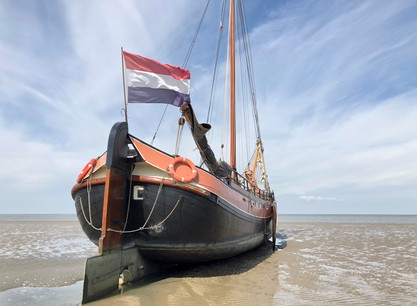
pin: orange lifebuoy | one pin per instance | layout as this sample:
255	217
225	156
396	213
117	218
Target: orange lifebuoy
86	170
180	176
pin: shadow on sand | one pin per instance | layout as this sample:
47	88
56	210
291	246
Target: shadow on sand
230	266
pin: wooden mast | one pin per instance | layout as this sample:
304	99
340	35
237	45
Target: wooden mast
232	86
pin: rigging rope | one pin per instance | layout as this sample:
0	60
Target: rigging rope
160	121
179	134
187	57
244	110
225	126
246	45
130	192
143	227
89	222
213	82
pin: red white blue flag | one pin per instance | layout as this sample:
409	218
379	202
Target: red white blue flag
149	81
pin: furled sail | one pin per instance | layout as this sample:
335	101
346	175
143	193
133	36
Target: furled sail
218	168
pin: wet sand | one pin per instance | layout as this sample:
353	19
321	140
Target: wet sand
324	263
40	273
42	253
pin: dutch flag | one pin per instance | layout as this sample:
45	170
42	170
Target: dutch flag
149	81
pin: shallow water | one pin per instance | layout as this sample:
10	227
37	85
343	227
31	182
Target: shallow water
329	263
30	296
43	240
329	260
42	251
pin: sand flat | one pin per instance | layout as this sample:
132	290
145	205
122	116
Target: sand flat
341	262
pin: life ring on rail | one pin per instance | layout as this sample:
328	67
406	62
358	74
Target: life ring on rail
182	176
86	170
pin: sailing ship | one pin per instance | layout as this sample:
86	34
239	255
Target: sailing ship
171	209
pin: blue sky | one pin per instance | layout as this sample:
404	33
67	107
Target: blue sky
336	86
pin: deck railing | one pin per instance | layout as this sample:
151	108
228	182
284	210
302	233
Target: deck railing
252	188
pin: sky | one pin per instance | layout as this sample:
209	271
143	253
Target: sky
336	88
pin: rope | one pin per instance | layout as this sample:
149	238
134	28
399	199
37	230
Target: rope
130	193
169	215
90	221
124	231
89	198
247	48
213	81
187	57
85	217
179	135
159	125
152	226
154	204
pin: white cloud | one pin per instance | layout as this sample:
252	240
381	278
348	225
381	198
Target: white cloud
374	147
336	90
340	97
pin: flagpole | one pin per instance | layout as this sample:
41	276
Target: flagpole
124	83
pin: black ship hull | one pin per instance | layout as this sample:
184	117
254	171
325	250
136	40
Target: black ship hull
170	224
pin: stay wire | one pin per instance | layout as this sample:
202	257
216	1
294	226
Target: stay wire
213	81
187	57
247	48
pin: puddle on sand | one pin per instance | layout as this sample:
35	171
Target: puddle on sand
34	296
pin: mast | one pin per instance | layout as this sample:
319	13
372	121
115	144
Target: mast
232	86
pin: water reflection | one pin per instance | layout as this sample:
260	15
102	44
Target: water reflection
32	296
232	281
